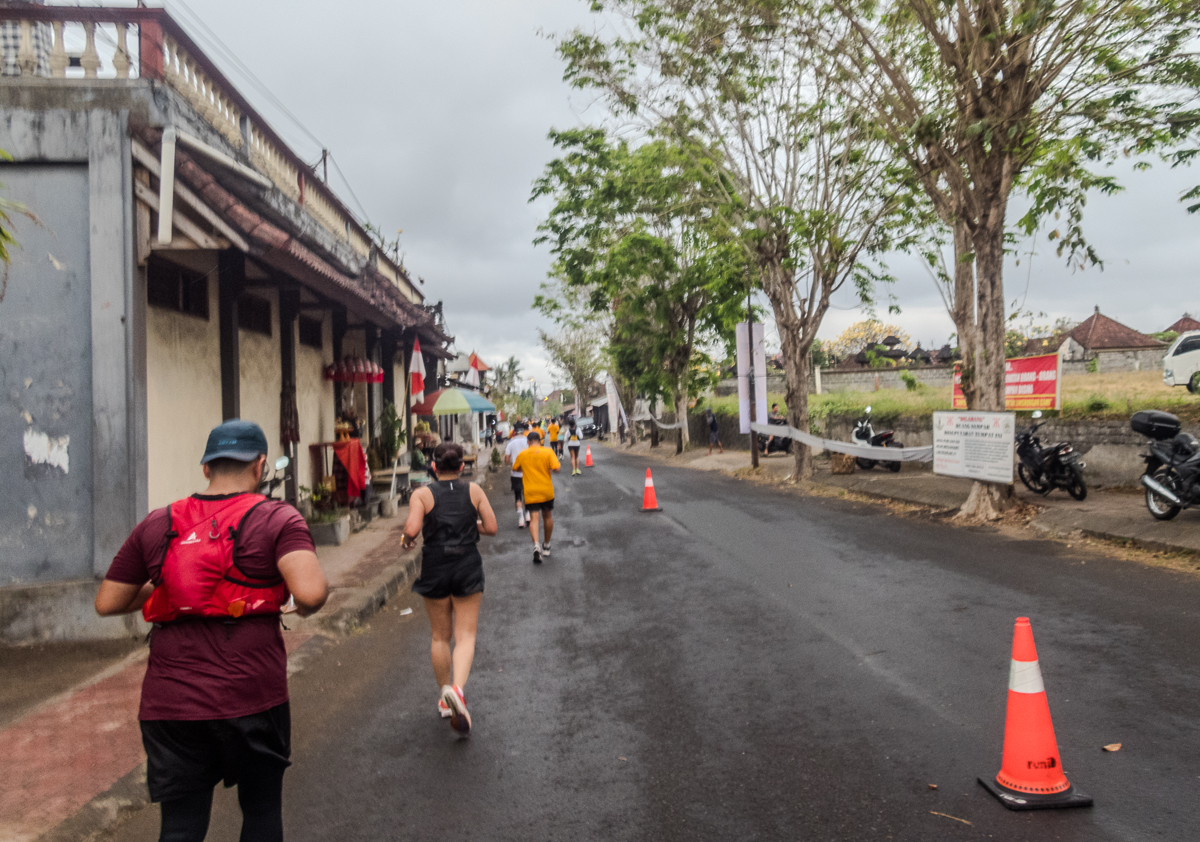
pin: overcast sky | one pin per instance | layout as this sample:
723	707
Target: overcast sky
437	113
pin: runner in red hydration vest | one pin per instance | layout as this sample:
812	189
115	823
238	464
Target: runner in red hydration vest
212	572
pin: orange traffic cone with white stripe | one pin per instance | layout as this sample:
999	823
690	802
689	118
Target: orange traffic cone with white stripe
1031	775
587	461
649	498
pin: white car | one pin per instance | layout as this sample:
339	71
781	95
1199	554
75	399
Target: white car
1181	365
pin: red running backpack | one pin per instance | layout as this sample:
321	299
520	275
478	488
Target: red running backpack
199	576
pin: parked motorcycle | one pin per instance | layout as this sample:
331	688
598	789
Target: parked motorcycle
778	444
864	433
1044	468
269	485
1172	477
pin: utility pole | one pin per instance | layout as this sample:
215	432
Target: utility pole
325	166
750	345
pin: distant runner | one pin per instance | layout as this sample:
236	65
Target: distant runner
552	437
714	431
573	444
536	463
451	514
515	445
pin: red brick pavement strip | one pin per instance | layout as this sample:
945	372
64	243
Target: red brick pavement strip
60	757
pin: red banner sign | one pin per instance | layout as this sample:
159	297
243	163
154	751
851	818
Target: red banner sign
1029	383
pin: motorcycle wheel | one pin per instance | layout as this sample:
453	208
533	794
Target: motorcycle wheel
1163	509
1036	484
894	467
1076	488
865	464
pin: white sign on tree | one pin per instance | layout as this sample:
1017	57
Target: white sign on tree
975	445
745	359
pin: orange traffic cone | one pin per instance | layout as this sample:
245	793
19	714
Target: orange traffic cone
1031	775
587	462
649	499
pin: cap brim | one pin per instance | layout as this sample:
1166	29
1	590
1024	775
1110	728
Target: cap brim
239	455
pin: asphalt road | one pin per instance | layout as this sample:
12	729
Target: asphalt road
748	665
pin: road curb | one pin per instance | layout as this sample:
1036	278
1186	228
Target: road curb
370	598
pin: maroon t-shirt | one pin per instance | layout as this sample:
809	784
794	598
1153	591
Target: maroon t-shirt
212	668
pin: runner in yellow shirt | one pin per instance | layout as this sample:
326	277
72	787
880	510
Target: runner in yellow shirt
552	437
535	464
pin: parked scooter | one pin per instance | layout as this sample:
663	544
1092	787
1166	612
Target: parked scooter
1172	477
864	433
1044	468
778	444
269	485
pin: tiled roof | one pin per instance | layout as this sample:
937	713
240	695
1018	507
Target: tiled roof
1100	333
1185	324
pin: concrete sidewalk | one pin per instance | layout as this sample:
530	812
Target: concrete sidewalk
74	756
1111	515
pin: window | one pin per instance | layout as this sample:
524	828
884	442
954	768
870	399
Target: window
1190	344
310	332
254	314
173	287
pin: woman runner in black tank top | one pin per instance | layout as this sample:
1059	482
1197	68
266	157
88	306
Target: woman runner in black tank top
451	515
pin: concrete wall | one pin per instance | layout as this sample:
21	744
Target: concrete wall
46	380
183	390
262	376
1150	359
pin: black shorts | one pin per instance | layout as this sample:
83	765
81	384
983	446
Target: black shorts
518	488
449	571
547	506
184	757
713	436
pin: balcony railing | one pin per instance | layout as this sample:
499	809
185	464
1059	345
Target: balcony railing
72	42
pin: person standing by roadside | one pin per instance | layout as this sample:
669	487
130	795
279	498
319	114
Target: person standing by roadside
213	572
552	436
512	450
536	463
714	431
573	445
451	514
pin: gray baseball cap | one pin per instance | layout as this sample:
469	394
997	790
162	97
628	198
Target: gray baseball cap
244	441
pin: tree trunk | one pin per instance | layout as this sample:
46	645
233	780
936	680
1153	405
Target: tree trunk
979	317
795	343
682	439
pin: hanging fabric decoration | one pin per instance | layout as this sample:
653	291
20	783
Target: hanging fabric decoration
473	371
354	370
417	372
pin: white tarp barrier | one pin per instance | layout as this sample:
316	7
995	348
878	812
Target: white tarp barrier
662	425
866	451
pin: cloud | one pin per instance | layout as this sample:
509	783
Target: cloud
437	113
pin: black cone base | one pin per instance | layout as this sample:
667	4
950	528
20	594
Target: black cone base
655	509
1014	800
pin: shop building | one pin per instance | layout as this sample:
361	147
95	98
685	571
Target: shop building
182	266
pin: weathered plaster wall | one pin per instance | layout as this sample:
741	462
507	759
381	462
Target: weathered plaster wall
262	376
183	388
46	380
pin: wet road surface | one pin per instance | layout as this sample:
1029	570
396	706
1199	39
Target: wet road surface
750	665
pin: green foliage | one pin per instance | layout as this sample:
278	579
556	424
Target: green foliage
1093	365
633	238
910	381
1167	336
1096	404
392	436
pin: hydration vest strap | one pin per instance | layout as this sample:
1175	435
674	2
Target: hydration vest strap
236	534
171	535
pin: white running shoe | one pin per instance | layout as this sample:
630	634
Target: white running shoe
460	720
537	554
520	520
443	709
546	550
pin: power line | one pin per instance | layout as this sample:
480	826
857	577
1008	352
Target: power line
217	44
346	181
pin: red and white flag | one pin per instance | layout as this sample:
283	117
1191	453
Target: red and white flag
473	371
417	373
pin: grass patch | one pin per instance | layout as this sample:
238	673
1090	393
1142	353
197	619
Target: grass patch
1114	395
